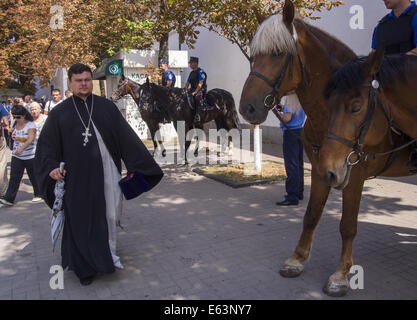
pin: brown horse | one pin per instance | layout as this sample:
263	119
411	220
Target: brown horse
303	58
396	77
151	115
365	98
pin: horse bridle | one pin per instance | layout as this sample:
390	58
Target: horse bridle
374	98
270	101
129	89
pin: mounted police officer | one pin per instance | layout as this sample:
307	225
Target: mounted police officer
398	32
168	78
398	29
198	82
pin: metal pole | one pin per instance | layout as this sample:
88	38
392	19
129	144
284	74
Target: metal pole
257	141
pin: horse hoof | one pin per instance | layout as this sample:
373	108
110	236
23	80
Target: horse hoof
336	288
291	271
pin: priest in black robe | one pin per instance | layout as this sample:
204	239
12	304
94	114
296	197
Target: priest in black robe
91	136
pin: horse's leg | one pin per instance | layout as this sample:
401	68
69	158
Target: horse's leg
153	129
219	125
164	150
155	145
197	145
229	126
337	284
187	142
318	196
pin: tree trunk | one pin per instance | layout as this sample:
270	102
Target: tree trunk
102	89
163	47
163	43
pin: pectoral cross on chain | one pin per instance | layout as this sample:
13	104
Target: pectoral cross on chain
86	134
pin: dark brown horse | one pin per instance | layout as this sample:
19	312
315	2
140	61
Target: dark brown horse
287	55
365	98
149	113
178	105
156	101
396	77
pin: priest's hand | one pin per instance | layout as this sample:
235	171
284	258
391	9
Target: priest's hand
56	175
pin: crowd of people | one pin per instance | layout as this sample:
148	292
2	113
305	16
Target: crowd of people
22	120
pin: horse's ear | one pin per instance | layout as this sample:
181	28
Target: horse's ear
288	13
373	62
334	63
123	77
147	81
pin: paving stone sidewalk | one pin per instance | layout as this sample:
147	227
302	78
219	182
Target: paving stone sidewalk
194	238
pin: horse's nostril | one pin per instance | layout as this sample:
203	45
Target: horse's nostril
251	109
330	177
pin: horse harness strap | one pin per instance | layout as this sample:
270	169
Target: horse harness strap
374	98
269	100
130	90
314	147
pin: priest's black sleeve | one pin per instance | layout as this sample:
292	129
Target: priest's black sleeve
135	155
48	156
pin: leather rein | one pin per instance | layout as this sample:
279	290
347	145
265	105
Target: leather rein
271	102
374	100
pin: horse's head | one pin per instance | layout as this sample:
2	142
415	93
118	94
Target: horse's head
121	90
355	120
276	66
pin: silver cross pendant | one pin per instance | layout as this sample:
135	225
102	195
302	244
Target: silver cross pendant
86	134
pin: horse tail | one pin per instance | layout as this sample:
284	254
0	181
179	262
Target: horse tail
232	107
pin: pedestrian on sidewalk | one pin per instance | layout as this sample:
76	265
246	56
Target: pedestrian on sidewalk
38	118
294	117
56	99
4	132
23	155
90	135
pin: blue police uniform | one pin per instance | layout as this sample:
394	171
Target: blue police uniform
293	157
396	29
194	79
399	35
169	76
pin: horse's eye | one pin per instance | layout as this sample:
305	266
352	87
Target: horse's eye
356	107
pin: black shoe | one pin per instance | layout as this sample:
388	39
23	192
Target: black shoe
287	203
86	281
412	164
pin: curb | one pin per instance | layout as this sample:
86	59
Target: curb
233	184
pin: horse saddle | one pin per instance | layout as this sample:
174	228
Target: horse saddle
209	102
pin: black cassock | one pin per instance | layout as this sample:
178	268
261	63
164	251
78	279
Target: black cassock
85	240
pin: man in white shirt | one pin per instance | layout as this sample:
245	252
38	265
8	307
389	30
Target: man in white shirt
28	100
56	99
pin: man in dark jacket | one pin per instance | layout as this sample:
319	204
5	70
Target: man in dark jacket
198	82
398	32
